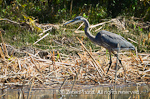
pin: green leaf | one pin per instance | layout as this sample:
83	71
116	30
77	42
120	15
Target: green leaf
84	15
58	55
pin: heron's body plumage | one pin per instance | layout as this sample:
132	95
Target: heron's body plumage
111	40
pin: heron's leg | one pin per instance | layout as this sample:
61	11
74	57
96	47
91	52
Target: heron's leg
122	66
119	62
109	62
118	59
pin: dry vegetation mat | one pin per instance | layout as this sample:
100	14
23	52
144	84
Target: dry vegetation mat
63	71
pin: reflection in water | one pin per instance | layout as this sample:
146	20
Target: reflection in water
100	92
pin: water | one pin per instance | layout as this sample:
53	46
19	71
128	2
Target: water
134	91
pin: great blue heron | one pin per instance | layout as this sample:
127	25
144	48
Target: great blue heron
106	39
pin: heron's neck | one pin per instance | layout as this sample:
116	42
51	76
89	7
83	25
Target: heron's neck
87	32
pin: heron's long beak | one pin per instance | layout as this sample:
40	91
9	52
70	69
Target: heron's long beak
72	21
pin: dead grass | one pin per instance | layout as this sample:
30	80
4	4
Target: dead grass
60	70
87	68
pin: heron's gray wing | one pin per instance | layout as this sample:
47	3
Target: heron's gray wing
110	41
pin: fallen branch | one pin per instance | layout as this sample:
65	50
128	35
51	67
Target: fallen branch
101	71
1	54
4	47
45	31
132	40
41	38
5	19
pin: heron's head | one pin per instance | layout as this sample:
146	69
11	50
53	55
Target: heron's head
75	20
